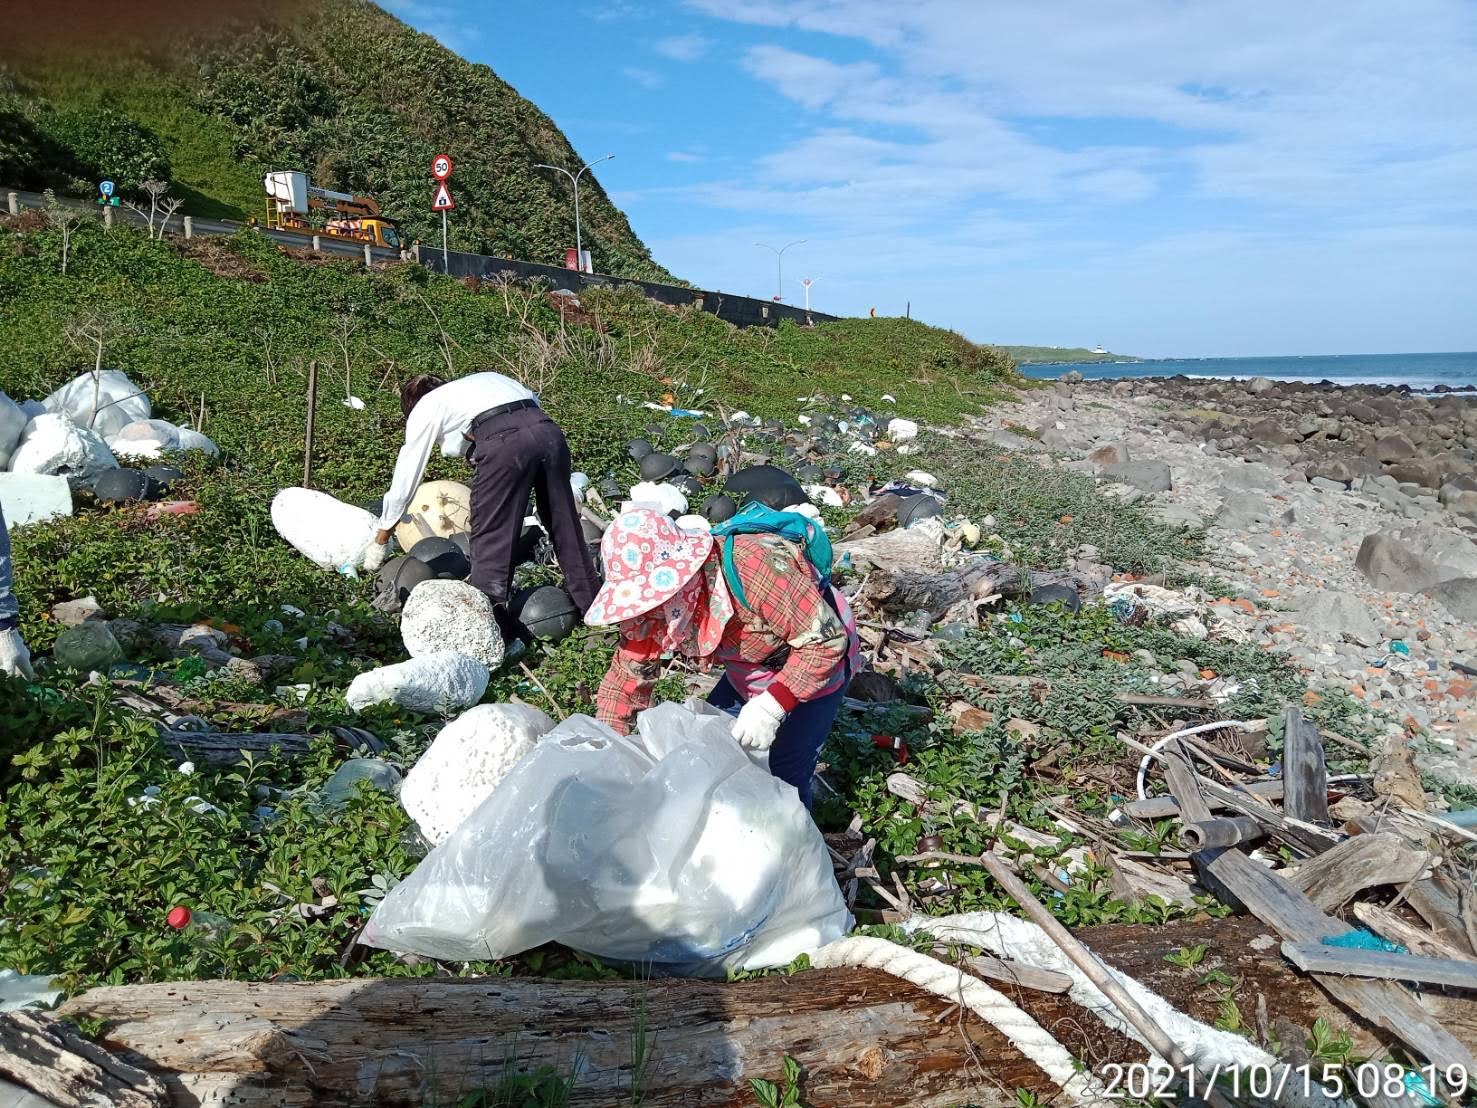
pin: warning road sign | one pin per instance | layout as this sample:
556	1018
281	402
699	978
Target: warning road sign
441	167
443	201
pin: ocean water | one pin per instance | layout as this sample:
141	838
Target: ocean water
1419	371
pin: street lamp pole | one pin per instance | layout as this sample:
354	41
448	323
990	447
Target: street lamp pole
779	263
574	179
807	282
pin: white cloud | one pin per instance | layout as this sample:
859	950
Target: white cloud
646	78
685	156
683	48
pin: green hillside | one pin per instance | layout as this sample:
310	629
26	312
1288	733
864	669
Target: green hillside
1038	355
338	88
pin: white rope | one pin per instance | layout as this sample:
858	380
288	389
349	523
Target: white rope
1143	779
952	984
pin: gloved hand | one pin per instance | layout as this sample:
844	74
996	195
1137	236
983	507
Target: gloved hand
15	659
758	722
375	554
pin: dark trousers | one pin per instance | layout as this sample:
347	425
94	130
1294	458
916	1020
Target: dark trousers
515	454
797	747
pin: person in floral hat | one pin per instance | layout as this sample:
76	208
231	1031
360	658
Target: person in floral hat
787	654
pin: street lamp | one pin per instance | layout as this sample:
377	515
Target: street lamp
574	179
807	282
779	261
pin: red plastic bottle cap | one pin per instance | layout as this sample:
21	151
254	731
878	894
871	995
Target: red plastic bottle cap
178	918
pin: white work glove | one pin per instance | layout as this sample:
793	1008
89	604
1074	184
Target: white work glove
15	659
758	722
375	554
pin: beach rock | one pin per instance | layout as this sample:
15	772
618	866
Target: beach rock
1458	596
1337	616
1410	559
1392	448
73	613
1269	432
1344	470
1326	485
1462	504
1071	377
1147	476
1260	386
1423	473
1455	487
1362	413
1113	453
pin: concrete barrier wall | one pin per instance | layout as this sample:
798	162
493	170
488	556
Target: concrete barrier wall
742	311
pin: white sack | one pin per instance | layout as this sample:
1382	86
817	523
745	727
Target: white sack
901	430
12	425
670	848
54	445
115	399
451	615
665	498
470	756
328	532
825	494
442	682
191	439
144	438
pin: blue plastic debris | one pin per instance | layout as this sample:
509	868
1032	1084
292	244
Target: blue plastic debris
1360	939
1416	1084
1274	770
1399	647
1015	617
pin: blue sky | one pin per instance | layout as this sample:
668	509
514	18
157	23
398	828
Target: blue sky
1165	177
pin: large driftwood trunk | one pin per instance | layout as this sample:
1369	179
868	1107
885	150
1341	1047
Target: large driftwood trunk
865	1040
48	1058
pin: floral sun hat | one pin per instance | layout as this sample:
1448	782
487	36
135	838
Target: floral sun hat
648	560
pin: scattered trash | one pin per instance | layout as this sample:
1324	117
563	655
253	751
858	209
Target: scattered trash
54	445
466	762
439	682
104	401
87	647
1360	939
32	497
670	849
199	927
343	786
27	990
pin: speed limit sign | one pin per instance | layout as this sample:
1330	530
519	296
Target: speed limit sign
441	167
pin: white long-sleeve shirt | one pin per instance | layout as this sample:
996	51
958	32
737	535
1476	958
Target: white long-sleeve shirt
443	415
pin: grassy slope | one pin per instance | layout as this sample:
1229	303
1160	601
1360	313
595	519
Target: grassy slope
361	102
1036	355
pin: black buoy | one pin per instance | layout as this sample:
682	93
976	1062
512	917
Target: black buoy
638	449
700	432
915	509
810	473
657	467
124	486
546	612
612	489
716	509
165	476
444	556
463	543
689	485
1064	595
702	460
768	485
401	575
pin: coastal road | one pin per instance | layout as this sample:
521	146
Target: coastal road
200	226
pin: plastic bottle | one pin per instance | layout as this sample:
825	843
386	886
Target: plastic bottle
201	927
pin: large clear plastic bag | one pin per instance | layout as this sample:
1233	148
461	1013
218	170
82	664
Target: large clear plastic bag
672	848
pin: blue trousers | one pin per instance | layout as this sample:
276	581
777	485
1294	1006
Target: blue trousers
797	747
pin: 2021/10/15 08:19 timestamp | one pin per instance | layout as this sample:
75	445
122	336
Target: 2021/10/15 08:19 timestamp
1145	1081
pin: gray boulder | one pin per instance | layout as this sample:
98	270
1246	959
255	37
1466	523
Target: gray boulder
1113	453
1337	616
1411	559
1260	386
1417	471
1071	377
1392	448
1458	596
1145	476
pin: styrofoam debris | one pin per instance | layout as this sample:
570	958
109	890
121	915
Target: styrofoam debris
443	682
191	439
53	444
863	448
809	511
330	533
922	478
353	402
12	425
578	483
889	398
466	762
667	498
451	615
694	523
804	420
103	402
30	497
144	438
901	430
825	494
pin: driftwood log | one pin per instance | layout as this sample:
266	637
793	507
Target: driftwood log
50	1059
897	591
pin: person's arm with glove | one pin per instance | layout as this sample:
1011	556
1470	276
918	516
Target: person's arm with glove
782	592
15	658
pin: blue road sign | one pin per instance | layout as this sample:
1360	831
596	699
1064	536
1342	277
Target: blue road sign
106	188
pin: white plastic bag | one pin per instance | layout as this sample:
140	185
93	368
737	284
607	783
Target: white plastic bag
669	848
329	532
104	402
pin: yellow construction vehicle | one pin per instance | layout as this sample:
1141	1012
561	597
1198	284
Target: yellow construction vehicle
291	197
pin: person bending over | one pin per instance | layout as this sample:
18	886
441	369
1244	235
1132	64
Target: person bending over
787	653
515	449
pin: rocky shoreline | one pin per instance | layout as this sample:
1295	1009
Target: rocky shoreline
1343	521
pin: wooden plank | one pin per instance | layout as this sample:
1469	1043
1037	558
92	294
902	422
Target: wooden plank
1303	837
1023	974
1387	925
1304	770
1288	911
1360	862
1317	958
1436	902
1165	807
48	1057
